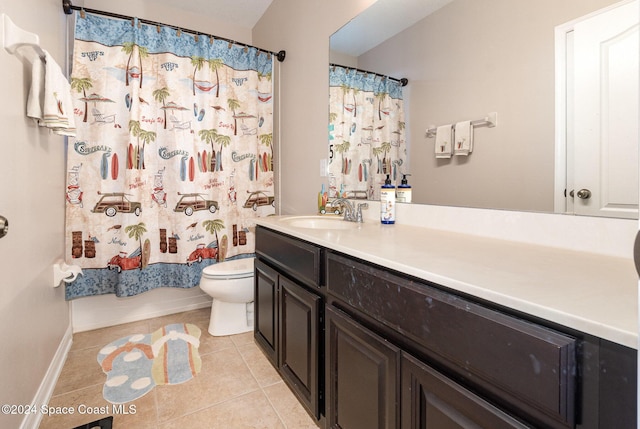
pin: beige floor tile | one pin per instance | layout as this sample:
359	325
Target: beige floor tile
259	365
89	405
210	344
250	411
224	376
80	370
292	413
241	339
199	317
103	336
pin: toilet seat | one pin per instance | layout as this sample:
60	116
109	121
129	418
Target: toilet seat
227	270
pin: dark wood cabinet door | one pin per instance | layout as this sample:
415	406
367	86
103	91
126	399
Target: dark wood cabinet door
430	400
362	376
266	310
299	338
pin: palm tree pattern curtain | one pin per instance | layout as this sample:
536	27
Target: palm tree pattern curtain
172	161
366	132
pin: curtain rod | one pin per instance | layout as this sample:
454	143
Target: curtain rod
68	7
403	81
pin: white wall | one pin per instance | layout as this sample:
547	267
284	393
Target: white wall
34	316
302	28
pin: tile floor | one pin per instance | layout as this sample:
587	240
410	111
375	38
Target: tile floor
236	388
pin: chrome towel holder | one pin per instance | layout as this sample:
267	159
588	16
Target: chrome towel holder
490	121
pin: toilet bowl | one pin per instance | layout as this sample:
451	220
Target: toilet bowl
230	284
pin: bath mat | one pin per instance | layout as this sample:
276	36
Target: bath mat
104	423
135	364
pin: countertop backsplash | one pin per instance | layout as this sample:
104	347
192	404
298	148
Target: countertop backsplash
611	237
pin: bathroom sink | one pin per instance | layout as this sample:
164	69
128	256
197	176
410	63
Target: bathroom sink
320	222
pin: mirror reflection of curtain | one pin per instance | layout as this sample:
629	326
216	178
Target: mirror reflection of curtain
366	132
172	161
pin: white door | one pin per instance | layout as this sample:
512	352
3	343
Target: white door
605	105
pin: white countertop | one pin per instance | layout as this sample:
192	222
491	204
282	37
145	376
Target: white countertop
592	293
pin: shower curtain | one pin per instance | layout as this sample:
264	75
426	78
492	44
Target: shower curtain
366	133
172	161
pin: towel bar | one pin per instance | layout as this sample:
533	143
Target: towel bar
488	121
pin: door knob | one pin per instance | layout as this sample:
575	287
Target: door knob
584	194
4	226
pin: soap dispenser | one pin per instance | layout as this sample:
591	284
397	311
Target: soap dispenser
403	195
388	202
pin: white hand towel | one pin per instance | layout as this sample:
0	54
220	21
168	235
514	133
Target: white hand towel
463	138
49	101
443	146
36	92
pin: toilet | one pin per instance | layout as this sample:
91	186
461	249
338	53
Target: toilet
230	284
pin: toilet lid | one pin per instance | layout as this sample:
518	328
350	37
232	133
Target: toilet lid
235	269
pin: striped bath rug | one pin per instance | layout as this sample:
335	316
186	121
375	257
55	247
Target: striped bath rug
135	364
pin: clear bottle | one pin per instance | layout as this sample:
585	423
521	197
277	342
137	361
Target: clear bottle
403	195
388	202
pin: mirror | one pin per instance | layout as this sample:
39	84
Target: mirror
465	59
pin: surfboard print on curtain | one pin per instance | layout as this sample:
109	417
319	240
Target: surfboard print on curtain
366	132
163	174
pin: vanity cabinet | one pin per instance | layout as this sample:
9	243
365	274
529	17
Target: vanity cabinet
288	313
373	384
462	363
366	347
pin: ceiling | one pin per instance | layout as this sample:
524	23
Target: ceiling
382	20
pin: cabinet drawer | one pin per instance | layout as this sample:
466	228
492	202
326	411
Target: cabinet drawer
299	259
516	362
431	401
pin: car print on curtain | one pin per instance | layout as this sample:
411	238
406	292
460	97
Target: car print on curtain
366	133
172	162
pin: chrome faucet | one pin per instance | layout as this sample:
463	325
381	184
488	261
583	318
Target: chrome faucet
351	214
359	211
348	208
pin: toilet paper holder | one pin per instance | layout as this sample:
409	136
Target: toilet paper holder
63	272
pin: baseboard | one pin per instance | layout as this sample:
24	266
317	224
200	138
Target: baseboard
108	310
45	391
